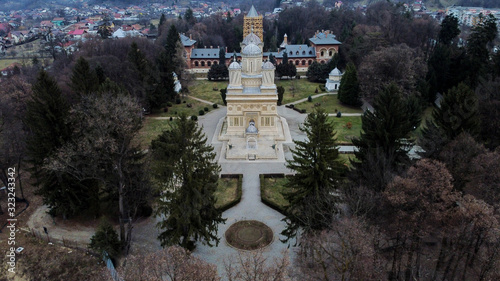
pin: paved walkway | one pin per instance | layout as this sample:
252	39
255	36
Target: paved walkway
313	96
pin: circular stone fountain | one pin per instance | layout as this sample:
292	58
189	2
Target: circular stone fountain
249	235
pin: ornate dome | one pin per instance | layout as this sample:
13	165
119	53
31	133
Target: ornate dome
252	39
336	72
251	50
268	65
234	65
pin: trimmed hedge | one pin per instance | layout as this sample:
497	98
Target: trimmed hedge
238	191
270	204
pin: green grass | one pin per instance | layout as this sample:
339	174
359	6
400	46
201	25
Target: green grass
346	158
178	109
203	89
7	62
272	190
151	129
426	114
301	89
344	134
330	103
227	191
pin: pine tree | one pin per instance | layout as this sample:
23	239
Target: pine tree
349	87
449	29
83	79
458	112
318	175
184	163
172	39
281	92
163	82
46	120
222	56
384	143
138	59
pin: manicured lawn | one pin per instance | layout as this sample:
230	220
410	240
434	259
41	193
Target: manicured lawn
178	109
330	103
344	134
203	89
272	190
296	89
151	129
227	191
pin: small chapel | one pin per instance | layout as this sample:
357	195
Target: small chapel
252	125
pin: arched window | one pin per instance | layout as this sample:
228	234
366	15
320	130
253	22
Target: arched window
195	63
297	53
322	53
303	62
303	52
202	63
209	63
309	62
296	62
330	53
215	63
310	52
291	53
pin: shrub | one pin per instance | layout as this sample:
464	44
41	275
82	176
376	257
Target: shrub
169	104
189	105
297	76
309	99
178	101
105	239
348	125
339	114
194	117
201	112
171	119
292	106
316	91
183	101
214	105
302	111
322	88
165	109
206	108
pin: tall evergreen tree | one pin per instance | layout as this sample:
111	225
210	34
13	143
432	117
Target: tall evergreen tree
163	82
46	120
222	56
189	17
478	50
449	29
384	143
184	163
83	79
319	172
349	87
458	112
172	39
138	59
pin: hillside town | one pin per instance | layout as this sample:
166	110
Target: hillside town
69	26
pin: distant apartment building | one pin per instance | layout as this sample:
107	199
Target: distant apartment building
470	16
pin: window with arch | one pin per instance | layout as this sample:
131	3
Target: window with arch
196	63
330	53
291	53
297	53
215	63
303	62
202	63
310	52
296	62
209	63
309	62
322	53
303	52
